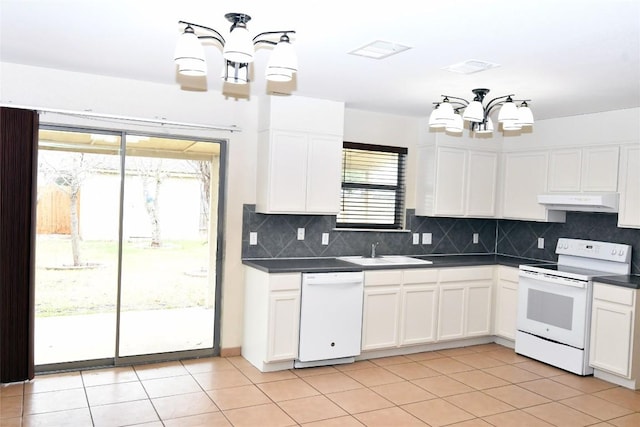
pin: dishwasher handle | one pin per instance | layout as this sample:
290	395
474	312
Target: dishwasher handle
342	279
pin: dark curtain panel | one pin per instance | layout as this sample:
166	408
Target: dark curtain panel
18	171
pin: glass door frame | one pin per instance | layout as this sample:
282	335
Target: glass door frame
117	360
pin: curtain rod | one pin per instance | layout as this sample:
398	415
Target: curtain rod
124	118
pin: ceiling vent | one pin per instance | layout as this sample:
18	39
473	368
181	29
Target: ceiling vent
379	49
471	66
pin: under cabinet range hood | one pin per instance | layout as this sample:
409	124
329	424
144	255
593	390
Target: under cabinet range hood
581	202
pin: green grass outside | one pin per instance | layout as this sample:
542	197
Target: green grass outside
152	278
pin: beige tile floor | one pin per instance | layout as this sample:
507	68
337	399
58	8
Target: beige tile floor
486	385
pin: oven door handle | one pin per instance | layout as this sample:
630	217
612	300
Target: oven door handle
556	280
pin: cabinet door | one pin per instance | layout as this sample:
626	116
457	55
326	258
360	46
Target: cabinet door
600	169
324	166
419	311
481	183
380	317
450	181
629	215
283	325
478	309
451	312
506	308
525	176
611	337
565	169
287	171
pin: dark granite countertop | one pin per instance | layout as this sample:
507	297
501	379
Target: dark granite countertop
631	281
319	265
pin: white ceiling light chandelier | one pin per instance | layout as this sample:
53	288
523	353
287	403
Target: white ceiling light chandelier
237	51
451	112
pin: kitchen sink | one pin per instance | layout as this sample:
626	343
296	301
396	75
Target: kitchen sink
384	260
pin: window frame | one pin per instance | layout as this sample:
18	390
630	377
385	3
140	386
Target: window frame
399	189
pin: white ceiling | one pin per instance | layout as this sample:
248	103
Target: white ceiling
568	56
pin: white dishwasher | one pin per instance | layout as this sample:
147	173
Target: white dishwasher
330	318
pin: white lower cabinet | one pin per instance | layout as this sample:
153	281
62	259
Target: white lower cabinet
271	319
464	308
419	307
284	319
400	308
506	302
614	347
381	309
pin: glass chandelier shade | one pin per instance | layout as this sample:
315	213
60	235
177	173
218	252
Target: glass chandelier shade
474	112
239	46
484	127
525	116
456	125
508	111
283	62
189	54
441	115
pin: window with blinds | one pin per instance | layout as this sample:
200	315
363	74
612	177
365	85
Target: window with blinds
373	186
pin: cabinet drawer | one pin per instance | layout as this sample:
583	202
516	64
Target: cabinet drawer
615	294
421	275
509	274
463	274
285	282
382	277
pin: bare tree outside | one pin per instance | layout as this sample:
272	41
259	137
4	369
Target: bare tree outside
68	171
152	173
202	170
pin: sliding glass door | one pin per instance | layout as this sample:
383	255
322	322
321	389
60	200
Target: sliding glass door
77	229
167	289
126	246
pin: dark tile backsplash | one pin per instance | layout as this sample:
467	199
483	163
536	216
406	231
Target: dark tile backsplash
277	236
520	237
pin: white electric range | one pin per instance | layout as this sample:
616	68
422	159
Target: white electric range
554	301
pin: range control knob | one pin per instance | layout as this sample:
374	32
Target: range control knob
621	252
613	251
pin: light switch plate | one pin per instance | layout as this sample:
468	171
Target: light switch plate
416	238
476	238
540	242
426	238
325	238
300	233
253	238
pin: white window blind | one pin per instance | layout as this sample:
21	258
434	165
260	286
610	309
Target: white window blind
373	187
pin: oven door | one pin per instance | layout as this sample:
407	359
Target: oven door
554	307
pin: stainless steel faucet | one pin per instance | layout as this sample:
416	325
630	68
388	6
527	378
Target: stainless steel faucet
373	249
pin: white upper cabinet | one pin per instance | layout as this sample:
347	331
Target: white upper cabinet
525	176
299	156
629	214
459	182
592	169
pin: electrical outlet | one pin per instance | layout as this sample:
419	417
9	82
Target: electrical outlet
540	242
253	238
416	238
325	238
426	238
300	233
476	238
